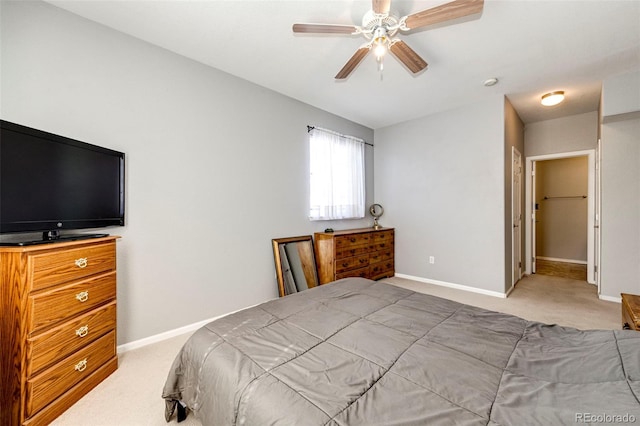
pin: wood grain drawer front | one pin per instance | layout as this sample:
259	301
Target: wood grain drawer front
64	302
382	237
361	272
352	263
381	269
381	255
52	268
353	240
353	251
381	246
47	386
52	346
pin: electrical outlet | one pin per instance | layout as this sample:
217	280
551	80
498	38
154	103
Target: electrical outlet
432	260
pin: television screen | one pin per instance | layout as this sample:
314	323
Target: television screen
53	183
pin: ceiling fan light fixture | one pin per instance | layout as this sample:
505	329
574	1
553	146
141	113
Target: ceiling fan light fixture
380	42
380	49
552	98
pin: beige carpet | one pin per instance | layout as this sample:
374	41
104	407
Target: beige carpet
132	395
548	299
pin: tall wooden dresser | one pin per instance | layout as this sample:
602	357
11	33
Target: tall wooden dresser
58	326
364	252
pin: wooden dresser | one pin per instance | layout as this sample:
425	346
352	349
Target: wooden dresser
364	252
58	329
630	312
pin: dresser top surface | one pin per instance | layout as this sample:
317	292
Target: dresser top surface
56	245
354	231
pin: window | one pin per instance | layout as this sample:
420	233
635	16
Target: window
337	189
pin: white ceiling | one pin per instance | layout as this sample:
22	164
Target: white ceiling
532	47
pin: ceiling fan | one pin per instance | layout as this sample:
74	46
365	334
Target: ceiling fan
379	26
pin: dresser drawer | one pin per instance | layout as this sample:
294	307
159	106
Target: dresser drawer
353	251
55	344
381	255
56	267
361	272
47	386
64	302
381	269
383	246
351	263
382	237
353	240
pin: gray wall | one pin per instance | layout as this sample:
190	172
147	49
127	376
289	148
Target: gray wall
620	223
216	166
573	133
441	181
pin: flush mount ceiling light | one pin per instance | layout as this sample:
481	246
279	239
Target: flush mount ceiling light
490	82
552	98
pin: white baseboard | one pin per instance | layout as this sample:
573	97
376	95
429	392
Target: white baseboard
136	344
610	298
456	286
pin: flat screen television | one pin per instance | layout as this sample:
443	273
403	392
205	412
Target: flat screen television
52	184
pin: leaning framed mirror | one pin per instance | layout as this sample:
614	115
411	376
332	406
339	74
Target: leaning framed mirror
295	264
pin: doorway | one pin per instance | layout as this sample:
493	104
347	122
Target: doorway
556	203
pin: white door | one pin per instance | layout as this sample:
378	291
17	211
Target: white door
516	214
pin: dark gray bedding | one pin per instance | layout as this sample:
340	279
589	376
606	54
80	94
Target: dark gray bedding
359	352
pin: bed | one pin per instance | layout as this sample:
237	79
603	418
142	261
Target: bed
361	352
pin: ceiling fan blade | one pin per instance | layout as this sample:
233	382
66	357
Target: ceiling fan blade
353	62
446	12
380	6
324	28
407	56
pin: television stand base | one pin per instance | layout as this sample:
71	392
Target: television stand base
48	238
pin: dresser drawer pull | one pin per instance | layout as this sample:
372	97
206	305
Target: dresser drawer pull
83	296
81	365
82	331
81	263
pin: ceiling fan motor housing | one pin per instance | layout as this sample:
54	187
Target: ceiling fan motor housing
372	23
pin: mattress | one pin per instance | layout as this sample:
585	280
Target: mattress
361	352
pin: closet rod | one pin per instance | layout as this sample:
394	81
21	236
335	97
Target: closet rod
567	196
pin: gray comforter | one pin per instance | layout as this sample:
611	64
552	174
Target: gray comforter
358	352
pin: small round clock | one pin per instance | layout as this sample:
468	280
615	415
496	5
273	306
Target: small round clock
376	211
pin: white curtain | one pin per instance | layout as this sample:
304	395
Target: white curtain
337	176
